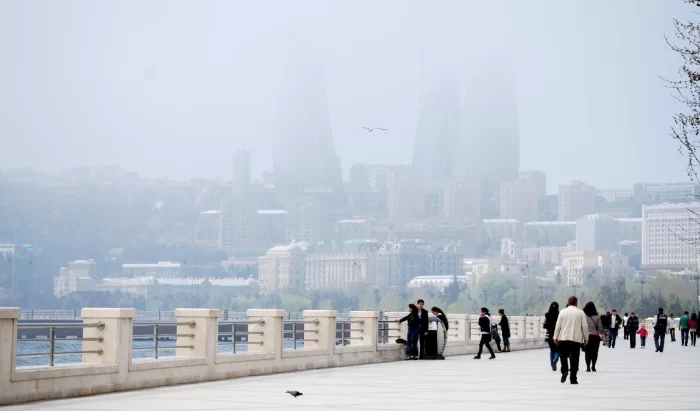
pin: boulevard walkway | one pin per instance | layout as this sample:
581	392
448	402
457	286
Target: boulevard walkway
626	380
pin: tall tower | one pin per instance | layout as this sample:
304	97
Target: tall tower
437	134
490	144
304	152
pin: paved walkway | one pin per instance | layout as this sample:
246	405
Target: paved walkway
626	380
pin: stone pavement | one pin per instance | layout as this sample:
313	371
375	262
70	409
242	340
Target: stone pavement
626	380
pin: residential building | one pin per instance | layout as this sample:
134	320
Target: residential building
462	198
511	250
615	196
303	221
497	229
353	229
549	233
208	229
283	269
668	192
271	227
581	266
545	255
597	232
670	234
575	201
399	262
340	271
518	200
483	267
538	179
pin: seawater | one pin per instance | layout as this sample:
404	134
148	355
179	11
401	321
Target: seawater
142	349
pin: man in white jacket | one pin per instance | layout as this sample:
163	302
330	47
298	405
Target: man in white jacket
570	334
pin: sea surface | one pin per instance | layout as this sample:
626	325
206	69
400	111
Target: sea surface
141	349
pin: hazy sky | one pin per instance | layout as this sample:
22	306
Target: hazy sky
172	88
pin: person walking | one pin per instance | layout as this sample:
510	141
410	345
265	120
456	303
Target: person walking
550	322
693	325
413	331
660	324
595	336
643	333
632	327
505	330
671	321
615	322
424	326
685	328
485	327
570	335
625	329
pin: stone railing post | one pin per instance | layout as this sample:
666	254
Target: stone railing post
364	328
460	324
396	330
517	327
267	328
8	339
320	330
201	334
536	327
474	329
117	336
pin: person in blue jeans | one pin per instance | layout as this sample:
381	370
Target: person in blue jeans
413	331
550	322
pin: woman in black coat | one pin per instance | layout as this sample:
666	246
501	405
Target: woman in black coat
550	322
505	330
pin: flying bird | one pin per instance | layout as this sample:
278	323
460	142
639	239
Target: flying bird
372	129
294	393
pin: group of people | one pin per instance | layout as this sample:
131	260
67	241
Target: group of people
419	323
573	330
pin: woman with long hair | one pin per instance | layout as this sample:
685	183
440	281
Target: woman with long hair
440	316
693	325
596	335
550	322
413	331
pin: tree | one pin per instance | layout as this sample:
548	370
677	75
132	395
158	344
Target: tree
686	129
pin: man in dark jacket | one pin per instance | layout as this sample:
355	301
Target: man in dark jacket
632	327
615	322
424	326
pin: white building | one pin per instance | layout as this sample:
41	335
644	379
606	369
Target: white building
615	196
670	234
78	276
282	269
545	255
340	271
440	282
671	192
159	269
578	266
511	249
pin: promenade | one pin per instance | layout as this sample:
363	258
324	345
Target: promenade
626	380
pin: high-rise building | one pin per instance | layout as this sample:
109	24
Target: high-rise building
538	179
304	152
303	220
670	234
489	147
406	197
575	201
518	200
437	134
242	170
462	198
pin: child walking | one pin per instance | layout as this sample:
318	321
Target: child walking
643	333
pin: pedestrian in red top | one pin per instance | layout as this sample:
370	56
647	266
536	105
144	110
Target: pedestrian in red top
693	325
643	333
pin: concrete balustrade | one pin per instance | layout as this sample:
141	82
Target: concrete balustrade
108	364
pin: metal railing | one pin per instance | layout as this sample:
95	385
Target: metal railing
385	326
235	333
150	315
51	340
345	328
157	336
296	330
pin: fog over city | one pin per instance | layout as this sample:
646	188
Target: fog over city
348	155
171	89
